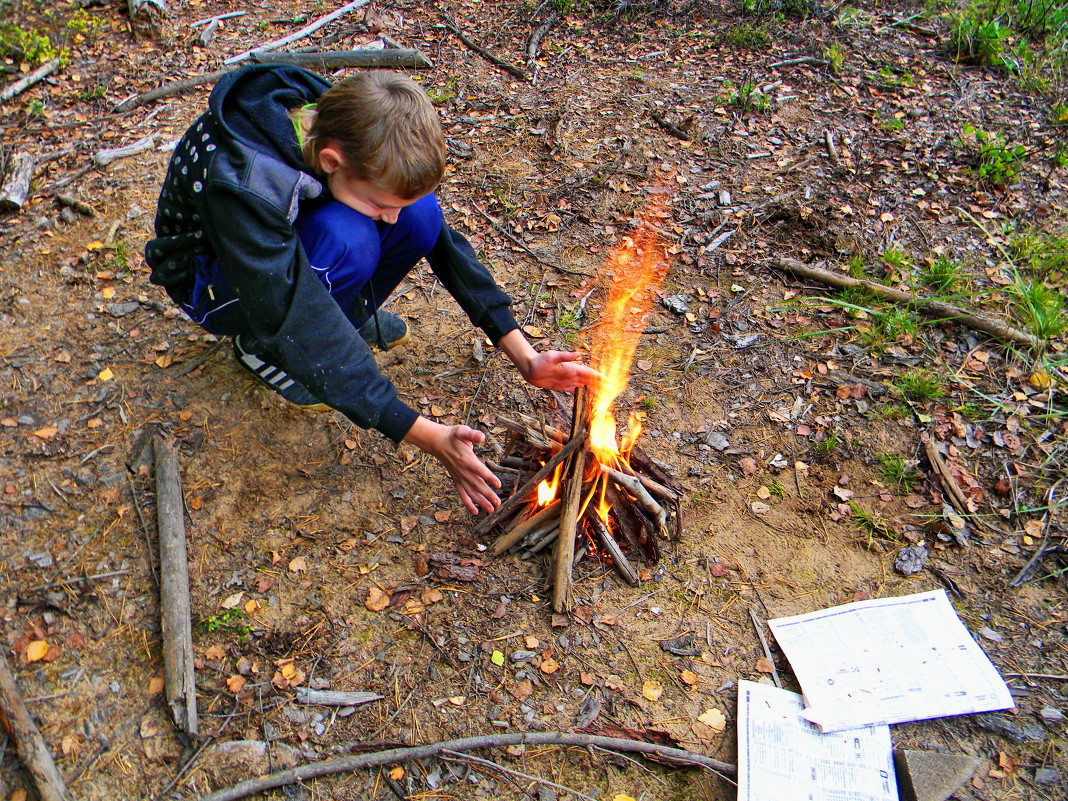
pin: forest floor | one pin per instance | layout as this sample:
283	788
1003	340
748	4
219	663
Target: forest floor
796	423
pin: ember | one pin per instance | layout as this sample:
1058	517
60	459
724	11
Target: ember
593	489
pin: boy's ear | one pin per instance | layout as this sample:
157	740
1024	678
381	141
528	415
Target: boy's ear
330	159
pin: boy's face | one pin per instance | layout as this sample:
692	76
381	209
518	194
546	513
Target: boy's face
365	197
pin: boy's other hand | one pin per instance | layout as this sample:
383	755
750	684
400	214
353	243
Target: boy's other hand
559	370
453	446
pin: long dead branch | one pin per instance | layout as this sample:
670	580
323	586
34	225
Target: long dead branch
29	743
336	59
929	308
174	590
297	35
619	561
394	756
511	69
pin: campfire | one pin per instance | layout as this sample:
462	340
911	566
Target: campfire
590	492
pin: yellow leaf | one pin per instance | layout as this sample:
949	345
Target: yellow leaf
652	690
688	677
714	719
96	245
623	797
533	331
497	658
289	670
95	422
36	651
107	293
156	685
458	700
397	773
105	374
549	665
46	433
252	606
164	361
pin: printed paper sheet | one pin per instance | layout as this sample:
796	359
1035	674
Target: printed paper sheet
783	757
888	660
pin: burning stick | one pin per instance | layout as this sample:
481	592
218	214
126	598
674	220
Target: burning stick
619	561
635	487
563	599
509	505
520	530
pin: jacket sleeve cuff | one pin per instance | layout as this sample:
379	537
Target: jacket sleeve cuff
396	420
497	322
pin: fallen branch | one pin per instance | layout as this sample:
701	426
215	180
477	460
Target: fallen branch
511	69
170	89
668	126
929	308
296	35
16	188
335	697
29	743
468	759
24	83
102	158
394	756
811	61
79	206
174	590
336	59
534	42
634	486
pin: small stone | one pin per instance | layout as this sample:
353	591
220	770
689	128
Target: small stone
990	634
911	560
523	656
122	309
717	441
1047	777
1051	714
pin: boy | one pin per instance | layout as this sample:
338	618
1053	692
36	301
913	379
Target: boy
291	209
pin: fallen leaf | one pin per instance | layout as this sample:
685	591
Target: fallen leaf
148	728
497	658
232	601
215	653
717	569
764	665
749	465
458	700
105	374
623	797
63	357
760	508
763	493
431	595
714	719
588	679
1034	528
36	651
298	565
156	685
396	773
652	690
252	606
68	745
549	666
235	683
533	331
842	493
531	643
688	678
46	433
443	515
376	599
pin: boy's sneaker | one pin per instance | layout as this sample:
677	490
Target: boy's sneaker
261	364
393	329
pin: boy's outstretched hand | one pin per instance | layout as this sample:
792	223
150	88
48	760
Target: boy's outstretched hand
453	446
551	369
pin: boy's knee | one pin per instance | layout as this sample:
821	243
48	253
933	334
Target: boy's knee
423	219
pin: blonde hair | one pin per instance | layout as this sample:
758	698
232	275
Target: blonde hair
386	129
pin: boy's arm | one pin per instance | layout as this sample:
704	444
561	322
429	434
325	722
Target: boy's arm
551	369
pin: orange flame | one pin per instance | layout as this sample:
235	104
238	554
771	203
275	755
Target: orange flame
548	487
636	267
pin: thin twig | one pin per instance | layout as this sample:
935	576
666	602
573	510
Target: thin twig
292	37
759	626
453	756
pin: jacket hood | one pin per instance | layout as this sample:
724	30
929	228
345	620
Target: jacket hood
252	106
